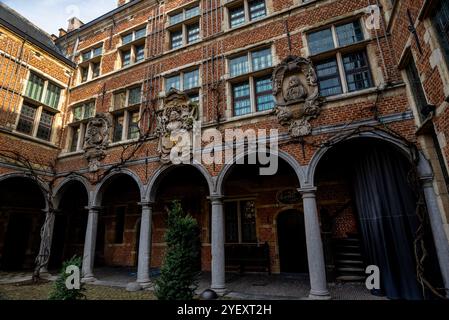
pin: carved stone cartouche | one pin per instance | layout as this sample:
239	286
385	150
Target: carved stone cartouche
96	140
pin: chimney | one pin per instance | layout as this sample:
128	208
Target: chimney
74	23
122	2
62	32
54	37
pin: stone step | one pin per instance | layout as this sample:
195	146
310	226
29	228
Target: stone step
351	269
350	262
351	278
350	254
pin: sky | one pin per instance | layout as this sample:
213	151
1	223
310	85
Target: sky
50	15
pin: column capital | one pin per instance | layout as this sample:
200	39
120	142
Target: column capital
145	203
307	192
426	180
216	198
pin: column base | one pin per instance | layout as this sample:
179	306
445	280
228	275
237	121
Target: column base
324	295
89	279
145	284
220	291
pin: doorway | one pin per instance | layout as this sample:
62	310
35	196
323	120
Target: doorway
292	242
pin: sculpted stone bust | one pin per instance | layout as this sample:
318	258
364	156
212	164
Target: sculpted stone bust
175	123
96	140
296	93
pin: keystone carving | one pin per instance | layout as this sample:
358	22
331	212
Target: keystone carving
96	140
297	96
175	126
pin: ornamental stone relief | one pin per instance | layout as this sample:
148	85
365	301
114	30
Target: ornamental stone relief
175	127
296	94
96	140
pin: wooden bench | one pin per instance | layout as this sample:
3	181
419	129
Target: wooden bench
248	257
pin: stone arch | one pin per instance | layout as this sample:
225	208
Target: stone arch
98	191
42	187
163	171
63	185
423	166
290	160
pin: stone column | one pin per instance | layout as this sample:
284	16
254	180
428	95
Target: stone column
143	268
218	249
89	244
436	223
315	255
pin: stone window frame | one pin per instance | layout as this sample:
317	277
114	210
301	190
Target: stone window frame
239	219
231	4
183	24
89	64
132	46
78	124
126	111
338	51
250	77
40	107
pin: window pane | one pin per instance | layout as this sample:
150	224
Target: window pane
176	39
95	70
141	33
173	82
78	113
87	55
98	51
53	95
193	33
192	12
133	126
237	16
261	59
357	71
320	41
416	85
118	128
239	65
45	123
126	58
328	77
26	120
349	33
140	53
74	141
127	38
264	94
231	222
84	74
191	79
89	110
119	100
176	18
441	23
35	87
248	217
242	101
257	9
134	96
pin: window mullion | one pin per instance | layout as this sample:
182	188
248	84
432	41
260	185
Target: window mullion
36	122
342	73
334	36
125	125
252	94
246	9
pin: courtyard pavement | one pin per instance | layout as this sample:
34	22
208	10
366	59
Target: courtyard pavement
247	286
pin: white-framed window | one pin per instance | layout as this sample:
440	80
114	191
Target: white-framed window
240	221
132	48
341	64
244	11
250	82
126	113
90	65
81	113
187	81
40	105
184	26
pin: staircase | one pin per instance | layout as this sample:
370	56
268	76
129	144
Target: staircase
349	264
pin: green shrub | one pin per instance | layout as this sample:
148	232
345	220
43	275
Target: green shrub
180	271
60	291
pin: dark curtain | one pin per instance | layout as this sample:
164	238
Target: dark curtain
388	222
